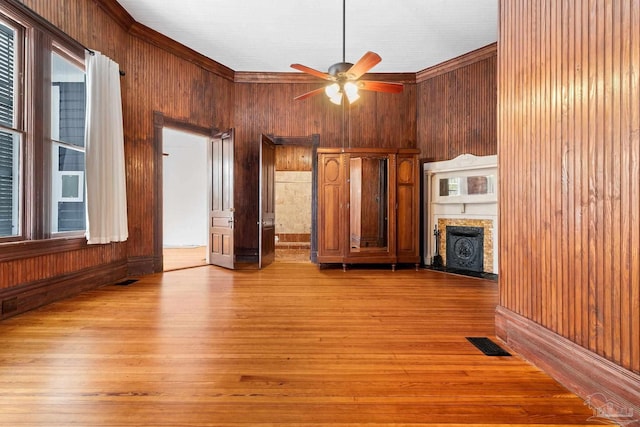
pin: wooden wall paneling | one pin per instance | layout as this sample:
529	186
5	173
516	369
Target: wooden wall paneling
396	118
361	129
582	107
86	22
631	122
569	157
33	273
156	79
293	158
246	182
263	105
31	282
456	110
178	89
568	173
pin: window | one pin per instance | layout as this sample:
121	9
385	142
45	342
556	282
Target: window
42	118
10	136
68	102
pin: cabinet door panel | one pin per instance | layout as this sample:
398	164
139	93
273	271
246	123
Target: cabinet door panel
408	203
331	197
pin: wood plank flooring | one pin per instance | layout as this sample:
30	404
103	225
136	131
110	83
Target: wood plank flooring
290	345
185	257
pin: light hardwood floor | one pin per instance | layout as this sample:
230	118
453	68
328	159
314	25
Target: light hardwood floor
290	345
187	257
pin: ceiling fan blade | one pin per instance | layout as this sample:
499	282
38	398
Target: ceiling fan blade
311	71
309	94
364	64
380	86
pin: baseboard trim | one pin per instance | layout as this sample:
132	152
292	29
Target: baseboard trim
612	391
22	298
143	265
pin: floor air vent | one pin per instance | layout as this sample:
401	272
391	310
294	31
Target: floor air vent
126	282
488	347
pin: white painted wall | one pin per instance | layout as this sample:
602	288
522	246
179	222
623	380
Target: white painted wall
184	186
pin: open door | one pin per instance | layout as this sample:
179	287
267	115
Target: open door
221	216
267	197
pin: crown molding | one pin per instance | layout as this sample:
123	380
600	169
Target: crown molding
116	12
134	28
472	57
165	43
297	77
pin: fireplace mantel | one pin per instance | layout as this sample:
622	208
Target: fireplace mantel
462	191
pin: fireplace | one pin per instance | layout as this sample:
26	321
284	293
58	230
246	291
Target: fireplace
465	248
462	194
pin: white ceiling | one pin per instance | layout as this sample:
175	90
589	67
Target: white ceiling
270	35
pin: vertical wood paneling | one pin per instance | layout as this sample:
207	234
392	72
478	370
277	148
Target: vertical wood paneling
569	154
85	22
456	112
376	120
155	81
293	158
180	90
632	113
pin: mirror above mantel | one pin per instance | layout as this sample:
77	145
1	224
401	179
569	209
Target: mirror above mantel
467	179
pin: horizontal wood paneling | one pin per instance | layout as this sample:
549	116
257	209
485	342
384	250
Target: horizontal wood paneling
457	109
569	159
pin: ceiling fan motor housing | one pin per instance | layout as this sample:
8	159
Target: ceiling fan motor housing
339	70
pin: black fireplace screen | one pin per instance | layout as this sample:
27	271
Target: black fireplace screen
465	248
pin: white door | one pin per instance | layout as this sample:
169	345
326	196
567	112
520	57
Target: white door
221	217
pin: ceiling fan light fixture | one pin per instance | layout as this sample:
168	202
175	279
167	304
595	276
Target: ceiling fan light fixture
345	76
351	90
334	93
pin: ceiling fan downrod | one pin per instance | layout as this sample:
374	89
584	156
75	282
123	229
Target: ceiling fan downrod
344	30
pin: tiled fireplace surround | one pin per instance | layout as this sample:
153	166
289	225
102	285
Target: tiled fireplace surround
465	207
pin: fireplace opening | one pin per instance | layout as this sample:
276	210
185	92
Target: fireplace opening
465	248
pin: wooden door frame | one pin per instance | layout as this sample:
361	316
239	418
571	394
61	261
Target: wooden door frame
261	198
160	121
312	141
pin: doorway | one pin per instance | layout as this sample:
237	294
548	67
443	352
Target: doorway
184	207
295	198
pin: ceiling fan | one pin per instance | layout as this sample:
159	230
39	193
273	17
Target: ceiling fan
345	76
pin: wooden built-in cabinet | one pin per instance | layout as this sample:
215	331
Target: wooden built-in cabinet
368	206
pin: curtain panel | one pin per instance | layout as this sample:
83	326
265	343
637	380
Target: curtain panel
105	167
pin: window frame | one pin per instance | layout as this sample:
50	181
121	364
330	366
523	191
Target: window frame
39	40
18	125
76	61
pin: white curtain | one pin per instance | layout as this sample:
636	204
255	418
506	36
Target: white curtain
104	136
